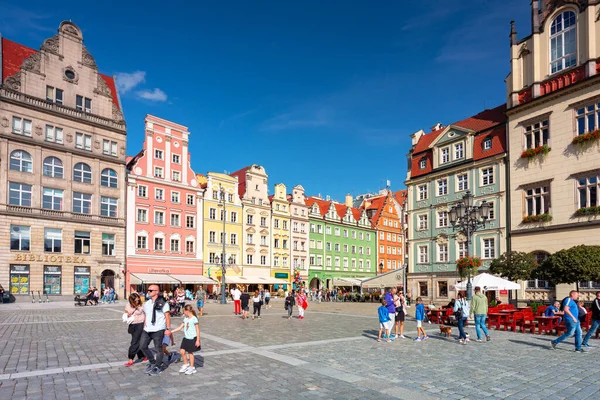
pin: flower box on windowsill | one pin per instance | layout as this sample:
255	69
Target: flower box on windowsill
587	138
537	218
530	153
588	211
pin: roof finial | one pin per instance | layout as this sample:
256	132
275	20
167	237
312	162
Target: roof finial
513	33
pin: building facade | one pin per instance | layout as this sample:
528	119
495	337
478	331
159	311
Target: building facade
280	228
62	146
341	244
221	224
553	99
164	209
299	232
443	165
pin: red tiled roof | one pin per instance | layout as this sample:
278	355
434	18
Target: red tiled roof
241	175
416	168
498	136
427	139
401	196
356	213
323	205
13	55
341	209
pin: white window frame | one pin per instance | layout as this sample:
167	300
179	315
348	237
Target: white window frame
537	134
22	126
175	197
83	201
142	191
423	254
159	194
461	250
585	186
423	192
442	253
142	215
559	62
24	194
109	244
83	141
109	206
487	179
53	196
462	184
445	155
545	199
442	190
487	143
423	222
587	117
109	147
488	252
175	158
442	219
459	151
176	176
423	163
159	217
190	221
159	172
159	154
54	134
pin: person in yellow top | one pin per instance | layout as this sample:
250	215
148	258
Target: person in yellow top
479	309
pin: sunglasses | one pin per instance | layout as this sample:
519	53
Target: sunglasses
152	291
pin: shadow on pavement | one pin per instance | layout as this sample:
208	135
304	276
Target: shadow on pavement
547	346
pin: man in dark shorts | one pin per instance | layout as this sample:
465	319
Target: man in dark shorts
245	301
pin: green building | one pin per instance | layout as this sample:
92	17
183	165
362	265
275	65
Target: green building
341	244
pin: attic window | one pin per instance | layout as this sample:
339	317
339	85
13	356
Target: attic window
423	163
487	144
70	74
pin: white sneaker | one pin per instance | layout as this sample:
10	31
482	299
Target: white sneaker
403	337
396	336
190	371
184	368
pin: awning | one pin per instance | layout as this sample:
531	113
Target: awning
197	279
347	281
254	280
489	282
155	278
388	280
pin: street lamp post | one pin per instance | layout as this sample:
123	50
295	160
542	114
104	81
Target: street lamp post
222	203
467	217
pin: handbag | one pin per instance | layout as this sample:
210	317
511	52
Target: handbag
126	318
459	313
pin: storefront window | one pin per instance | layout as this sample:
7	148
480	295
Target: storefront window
443	289
82	280
19	279
52	279
423	289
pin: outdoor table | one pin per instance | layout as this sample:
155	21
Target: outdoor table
508	311
498	318
546	324
435	316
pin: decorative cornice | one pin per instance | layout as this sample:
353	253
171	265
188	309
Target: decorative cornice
102	88
14	82
87	59
51	45
33	63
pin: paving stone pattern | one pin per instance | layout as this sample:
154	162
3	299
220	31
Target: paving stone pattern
57	352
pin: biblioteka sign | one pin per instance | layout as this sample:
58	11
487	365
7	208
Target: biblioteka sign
50	258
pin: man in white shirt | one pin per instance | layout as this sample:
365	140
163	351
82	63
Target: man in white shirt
235	295
156	326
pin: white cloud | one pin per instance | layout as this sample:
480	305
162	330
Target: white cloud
153	95
127	81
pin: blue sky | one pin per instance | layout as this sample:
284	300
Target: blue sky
322	93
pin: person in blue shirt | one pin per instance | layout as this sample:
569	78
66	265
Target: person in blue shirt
552	310
420	316
384	321
389	301
571	316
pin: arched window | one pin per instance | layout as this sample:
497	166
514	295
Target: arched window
563	41
53	167
82	173
20	160
108	178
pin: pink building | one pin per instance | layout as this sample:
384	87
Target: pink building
164	209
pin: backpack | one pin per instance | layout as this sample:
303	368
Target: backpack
459	313
562	303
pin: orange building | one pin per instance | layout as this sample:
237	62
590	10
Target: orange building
385	213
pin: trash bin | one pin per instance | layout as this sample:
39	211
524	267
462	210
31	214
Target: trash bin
6	298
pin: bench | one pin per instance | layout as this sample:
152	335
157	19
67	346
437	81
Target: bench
80	301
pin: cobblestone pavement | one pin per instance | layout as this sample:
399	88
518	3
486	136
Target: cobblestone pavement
58	351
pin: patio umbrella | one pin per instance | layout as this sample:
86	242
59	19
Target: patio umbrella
489	282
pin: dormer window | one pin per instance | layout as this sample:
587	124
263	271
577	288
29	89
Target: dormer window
445	155
487	144
423	163
563	41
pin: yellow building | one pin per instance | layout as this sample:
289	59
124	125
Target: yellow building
222	220
280	208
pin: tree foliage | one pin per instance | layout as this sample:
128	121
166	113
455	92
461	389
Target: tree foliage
579	263
514	266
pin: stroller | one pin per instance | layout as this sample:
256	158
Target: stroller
174	308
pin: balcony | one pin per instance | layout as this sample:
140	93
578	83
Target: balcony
61	215
60	109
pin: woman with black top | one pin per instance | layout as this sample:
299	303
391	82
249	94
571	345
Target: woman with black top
257	301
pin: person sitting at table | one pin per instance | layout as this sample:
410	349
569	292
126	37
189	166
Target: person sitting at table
451	304
582	311
552	310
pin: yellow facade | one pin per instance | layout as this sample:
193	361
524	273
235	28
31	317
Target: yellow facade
213	226
281	264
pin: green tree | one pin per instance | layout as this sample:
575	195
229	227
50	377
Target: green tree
579	263
514	266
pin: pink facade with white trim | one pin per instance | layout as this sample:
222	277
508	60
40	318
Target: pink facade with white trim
164	206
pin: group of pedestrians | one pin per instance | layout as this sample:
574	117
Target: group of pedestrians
109	295
572	310
262	298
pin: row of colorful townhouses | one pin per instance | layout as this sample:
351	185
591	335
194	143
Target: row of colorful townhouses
77	212
534	160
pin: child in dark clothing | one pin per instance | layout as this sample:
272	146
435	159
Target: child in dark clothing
289	304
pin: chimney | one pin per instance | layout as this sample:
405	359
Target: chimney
513	34
437	126
535	16
348	200
328	198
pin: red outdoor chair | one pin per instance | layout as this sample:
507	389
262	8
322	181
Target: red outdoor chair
513	320
540	310
561	328
528	323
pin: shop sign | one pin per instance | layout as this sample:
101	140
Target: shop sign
48	269
503	292
159	270
82	270
281	275
19	269
50	258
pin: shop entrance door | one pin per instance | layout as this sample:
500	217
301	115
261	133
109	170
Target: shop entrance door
107	279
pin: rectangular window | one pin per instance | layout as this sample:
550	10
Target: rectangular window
54	134
489	248
212	237
487	144
174	245
445	155
19	194
443	288
492	214
83	141
52	240
442	219
52	199
82	203
263	221
423	255
175	159
462	249
83	104
109	148
189	246
249	259
54	95
52	279
345	233
175	220
537	200
250	238
442	187
263	260
462	182
142	191
176	176
336	247
337	232
190	221
537	135
212	213
423	163
108	244
20	237
159	244
423	289
108	207
158	172
159	217
275	223
249	219
345	248
190	199
233	239
487	176
233	216
587	118
159	194
21	126
423	192
458	151
158	154
587	190
443	253
422	222
142	242
82	280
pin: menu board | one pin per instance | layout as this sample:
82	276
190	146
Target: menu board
52	280
19	279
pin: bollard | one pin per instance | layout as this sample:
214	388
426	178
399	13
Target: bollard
32	297
47	299
39	297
